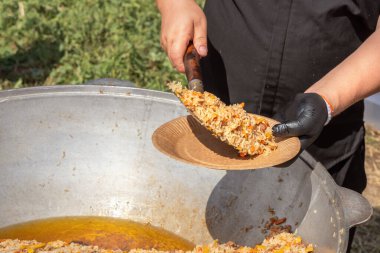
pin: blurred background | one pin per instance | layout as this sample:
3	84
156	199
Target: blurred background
70	42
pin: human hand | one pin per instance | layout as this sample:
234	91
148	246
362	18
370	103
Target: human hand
304	117
182	21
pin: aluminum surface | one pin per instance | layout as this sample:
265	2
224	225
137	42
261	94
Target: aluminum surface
372	109
87	150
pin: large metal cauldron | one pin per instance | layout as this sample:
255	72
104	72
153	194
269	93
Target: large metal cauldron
87	150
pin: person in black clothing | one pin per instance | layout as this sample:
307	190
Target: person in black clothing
306	63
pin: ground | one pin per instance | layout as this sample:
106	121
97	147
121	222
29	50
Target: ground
367	237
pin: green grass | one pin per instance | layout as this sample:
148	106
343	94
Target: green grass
70	42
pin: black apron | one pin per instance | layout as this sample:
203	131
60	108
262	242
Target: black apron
264	52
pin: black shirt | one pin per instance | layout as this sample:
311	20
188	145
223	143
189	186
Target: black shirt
263	52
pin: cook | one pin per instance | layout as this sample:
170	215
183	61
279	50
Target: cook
307	63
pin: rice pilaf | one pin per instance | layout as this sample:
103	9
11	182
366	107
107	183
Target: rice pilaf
280	243
249	134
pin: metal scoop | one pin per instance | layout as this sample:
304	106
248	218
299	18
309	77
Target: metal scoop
193	73
194	77
193	69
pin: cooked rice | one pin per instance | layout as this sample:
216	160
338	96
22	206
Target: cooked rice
249	134
280	243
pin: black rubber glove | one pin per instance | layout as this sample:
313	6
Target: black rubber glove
304	117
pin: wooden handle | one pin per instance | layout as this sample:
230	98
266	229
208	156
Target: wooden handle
191	61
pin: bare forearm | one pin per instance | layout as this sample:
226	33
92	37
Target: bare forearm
355	78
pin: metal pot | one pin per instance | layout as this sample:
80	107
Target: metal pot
87	150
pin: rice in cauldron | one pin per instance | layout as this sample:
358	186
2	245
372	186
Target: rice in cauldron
280	243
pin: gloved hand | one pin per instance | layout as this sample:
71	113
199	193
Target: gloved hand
304	117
